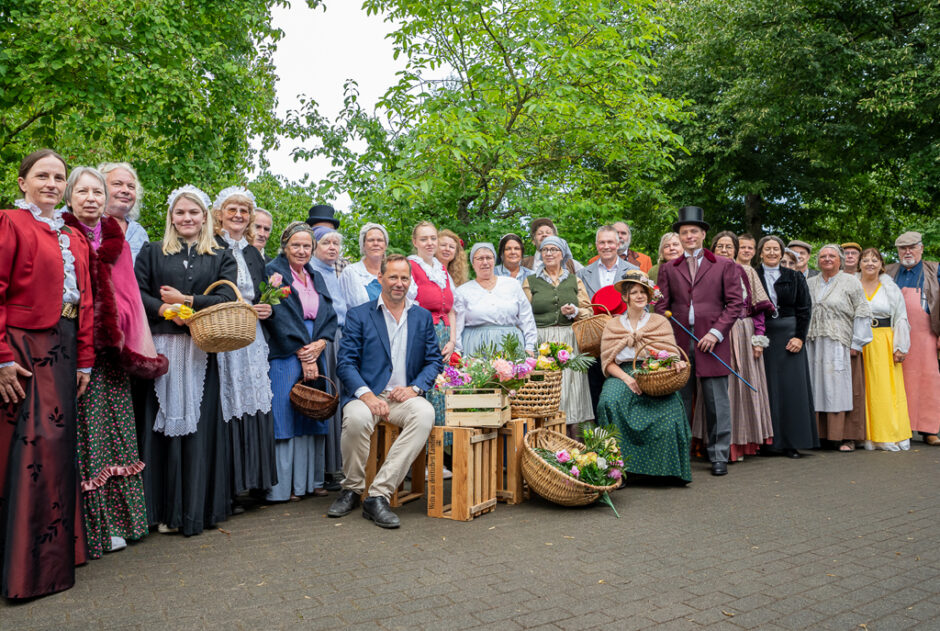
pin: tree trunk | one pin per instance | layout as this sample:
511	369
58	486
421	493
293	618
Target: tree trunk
753	214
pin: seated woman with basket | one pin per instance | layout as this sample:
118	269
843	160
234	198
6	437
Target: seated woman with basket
655	433
300	328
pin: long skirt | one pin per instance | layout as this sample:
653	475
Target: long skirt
887	425
334	455
187	481
789	390
109	461
436	397
41	534
655	435
751	424
474	338
575	392
921	374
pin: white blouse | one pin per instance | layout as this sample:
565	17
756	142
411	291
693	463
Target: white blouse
888	302
504	305
353	281
628	352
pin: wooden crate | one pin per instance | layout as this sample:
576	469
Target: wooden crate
510	487
380	444
555	423
490	408
473	486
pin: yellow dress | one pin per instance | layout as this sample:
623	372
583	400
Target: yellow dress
886	420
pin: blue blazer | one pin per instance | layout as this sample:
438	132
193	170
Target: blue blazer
365	356
286	324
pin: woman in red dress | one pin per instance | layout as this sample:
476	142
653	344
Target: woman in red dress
46	355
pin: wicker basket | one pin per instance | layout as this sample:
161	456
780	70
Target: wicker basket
312	402
588	331
224	327
552	484
663	382
539	396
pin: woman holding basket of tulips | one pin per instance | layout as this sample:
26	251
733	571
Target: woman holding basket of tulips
301	326
655	433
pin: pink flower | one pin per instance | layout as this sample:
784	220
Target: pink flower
618	464
662	355
575	471
275	280
530	362
503	369
563	356
562	456
614	474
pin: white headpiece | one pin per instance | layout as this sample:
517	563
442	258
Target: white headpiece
225	193
188	188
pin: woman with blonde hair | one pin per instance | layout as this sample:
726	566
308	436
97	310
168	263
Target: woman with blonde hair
184	439
669	248
450	252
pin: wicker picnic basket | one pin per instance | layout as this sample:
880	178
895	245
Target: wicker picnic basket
313	402
539	396
663	382
552	484
224	327
588	331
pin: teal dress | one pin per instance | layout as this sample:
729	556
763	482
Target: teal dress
655	434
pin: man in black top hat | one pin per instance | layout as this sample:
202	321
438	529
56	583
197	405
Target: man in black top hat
704	294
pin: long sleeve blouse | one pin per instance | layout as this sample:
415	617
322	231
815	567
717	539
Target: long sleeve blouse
840	311
888	302
505	305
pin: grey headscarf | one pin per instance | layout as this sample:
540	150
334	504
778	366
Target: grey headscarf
296	227
482	245
363	231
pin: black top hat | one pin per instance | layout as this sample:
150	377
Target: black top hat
690	215
322	212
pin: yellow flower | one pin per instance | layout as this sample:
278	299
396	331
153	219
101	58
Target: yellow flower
186	312
544	348
575	453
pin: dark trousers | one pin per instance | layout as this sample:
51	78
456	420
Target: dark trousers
717	410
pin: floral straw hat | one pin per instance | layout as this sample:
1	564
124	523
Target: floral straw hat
637	277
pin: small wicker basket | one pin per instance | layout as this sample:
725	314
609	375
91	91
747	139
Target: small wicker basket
662	382
313	402
539	396
552	484
588	331
224	327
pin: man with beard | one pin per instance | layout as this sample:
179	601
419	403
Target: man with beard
920	284
124	191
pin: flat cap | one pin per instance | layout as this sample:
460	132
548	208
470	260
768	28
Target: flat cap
796	243
908	239
853	245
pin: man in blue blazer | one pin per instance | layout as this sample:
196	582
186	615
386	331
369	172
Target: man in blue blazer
388	358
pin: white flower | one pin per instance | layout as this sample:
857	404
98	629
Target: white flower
601	464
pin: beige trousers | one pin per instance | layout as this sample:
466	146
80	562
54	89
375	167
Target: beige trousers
416	418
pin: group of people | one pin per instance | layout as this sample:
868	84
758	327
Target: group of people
114	422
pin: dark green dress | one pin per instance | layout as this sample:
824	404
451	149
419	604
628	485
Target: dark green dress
656	436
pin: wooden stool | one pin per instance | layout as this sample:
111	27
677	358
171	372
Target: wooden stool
380	444
555	423
473	486
509	447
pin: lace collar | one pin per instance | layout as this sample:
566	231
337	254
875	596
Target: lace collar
541	273
435	271
55	223
240	245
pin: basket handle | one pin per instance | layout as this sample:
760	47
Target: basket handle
682	353
594	304
325	378
222	281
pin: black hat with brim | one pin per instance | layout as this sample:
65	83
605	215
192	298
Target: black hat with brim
320	213
690	216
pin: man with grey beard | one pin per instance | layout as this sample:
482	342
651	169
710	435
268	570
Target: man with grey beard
124	193
920	284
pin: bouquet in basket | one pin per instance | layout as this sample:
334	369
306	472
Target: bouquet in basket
560	356
600	463
659	360
503	366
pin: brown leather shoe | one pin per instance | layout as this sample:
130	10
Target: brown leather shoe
931	439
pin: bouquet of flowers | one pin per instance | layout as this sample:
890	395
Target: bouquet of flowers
560	356
659	360
496	367
600	463
274	291
183	312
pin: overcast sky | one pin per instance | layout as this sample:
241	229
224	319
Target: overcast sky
320	50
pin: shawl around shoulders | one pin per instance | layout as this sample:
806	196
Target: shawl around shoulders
616	337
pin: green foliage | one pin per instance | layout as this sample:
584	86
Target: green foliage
505	111
812	118
509	348
177	88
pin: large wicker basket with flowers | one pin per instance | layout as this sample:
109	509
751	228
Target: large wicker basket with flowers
551	483
224	327
658	380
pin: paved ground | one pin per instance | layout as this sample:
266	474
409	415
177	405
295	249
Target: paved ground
833	541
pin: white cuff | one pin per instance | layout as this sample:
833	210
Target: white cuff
87	371
716	333
361	391
760	340
575	314
5	364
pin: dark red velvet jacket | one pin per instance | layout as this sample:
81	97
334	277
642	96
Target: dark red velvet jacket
31	280
108	336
